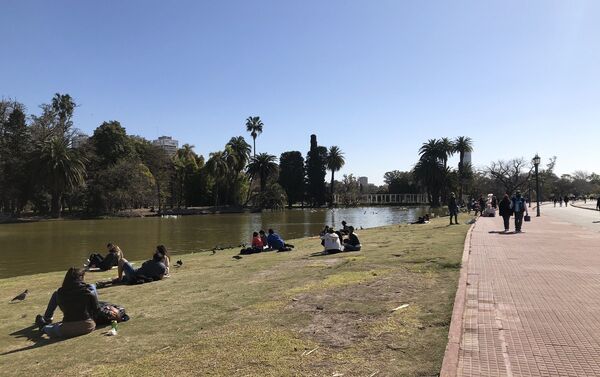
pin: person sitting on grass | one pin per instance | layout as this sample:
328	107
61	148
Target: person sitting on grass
151	270
352	243
345	228
78	302
265	241
275	242
109	261
331	242
256	246
162	250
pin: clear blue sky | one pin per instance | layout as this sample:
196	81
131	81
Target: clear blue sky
376	78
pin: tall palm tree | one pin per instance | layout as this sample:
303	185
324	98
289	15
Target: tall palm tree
264	166
430	173
255	126
433	149
447	147
335	161
462	145
61	168
218	167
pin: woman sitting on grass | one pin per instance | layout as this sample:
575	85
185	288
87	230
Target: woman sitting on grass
352	243
78	302
109	261
162	250
256	247
331	242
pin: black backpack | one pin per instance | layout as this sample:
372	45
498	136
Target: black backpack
110	312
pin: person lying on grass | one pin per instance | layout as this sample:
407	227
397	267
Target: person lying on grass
78	302
109	261
275	242
352	243
151	270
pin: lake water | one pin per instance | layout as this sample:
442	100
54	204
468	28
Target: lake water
45	246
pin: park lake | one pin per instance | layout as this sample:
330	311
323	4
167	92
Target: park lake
45	246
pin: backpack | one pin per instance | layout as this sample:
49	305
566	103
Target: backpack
110	312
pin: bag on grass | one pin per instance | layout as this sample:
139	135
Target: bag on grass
110	312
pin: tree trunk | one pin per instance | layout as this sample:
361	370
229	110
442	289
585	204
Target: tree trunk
331	194
158	197
254	145
55	205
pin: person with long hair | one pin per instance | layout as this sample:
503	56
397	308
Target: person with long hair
505	211
79	303
109	261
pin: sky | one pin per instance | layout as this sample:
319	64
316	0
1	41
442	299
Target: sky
376	78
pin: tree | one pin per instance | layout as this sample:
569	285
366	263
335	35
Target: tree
218	168
110	143
240	150
255	126
462	145
448	149
291	176
512	174
61	168
15	148
263	166
316	169
349	190
400	182
430	173
335	161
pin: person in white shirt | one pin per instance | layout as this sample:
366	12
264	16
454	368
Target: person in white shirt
331	242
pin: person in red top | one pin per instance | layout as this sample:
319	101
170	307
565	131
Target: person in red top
257	242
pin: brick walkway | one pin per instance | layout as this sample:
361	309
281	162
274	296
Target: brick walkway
533	301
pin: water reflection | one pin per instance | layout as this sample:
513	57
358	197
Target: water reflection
56	245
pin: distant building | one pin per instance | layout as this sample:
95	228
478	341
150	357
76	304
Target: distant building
79	140
168	144
364	184
467	159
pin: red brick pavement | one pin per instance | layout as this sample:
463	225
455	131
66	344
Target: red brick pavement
533	301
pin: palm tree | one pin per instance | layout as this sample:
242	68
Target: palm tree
447	147
240	150
430	173
218	167
433	149
335	161
462	145
264	166
255	126
61	168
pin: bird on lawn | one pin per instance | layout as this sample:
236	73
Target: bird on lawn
236	257
179	263
20	297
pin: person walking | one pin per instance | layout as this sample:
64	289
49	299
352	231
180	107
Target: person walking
505	211
560	199
453	208
598	204
554	202
566	201
519	209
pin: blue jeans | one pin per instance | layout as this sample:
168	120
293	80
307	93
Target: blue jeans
128	272
53	304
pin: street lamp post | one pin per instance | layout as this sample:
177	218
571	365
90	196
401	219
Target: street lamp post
536	163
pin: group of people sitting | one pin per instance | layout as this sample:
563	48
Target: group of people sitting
422	219
261	242
79	301
341	240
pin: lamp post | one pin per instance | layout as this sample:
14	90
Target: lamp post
536	163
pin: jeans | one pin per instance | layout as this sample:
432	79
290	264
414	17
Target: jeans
506	219
518	220
53	303
128	272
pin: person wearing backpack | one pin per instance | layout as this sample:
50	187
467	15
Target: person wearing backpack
519	208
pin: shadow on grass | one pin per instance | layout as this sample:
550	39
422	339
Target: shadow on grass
32	334
324	254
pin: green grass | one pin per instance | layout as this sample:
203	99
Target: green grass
259	316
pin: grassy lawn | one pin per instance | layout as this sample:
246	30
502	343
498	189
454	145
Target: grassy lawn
270	314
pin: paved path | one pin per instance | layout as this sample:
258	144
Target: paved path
533	299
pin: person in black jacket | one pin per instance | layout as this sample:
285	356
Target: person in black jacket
78	302
453	208
505	211
109	261
352	243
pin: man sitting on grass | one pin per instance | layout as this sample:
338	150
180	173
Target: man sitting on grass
151	270
352	243
275	242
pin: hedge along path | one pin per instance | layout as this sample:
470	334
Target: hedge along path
268	314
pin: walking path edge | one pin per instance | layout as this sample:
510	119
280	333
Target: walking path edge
450	362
